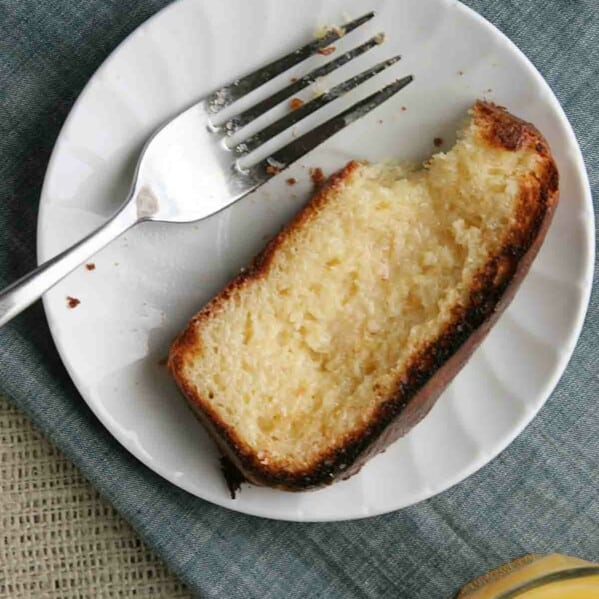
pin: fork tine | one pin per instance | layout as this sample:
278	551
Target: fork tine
247	116
227	95
256	140
302	145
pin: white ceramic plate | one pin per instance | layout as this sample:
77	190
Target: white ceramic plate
148	283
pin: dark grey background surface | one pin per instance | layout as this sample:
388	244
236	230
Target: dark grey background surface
541	494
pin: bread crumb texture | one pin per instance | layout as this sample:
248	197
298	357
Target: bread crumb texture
296	358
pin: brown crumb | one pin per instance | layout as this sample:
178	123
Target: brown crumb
317	176
291	181
460	73
489	90
380	121
403	108
293	79
72	302
272	170
438	141
90	266
327	51
295	103
163	361
232	476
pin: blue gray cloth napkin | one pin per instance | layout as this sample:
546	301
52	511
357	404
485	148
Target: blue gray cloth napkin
541	494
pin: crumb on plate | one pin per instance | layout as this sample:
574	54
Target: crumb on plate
317	176
72	302
232	476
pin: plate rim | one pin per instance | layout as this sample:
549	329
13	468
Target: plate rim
484	457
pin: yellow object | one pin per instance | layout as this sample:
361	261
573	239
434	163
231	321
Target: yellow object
552	576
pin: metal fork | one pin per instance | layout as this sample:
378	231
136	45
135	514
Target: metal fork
187	172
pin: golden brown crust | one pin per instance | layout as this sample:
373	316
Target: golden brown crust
500	128
437	363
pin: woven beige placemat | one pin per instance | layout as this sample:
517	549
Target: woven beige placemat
58	537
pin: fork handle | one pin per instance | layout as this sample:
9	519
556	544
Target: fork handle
22	293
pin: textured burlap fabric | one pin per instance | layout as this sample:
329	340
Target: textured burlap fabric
58	537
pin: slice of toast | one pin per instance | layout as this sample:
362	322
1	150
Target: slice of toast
352	321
